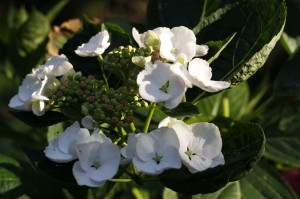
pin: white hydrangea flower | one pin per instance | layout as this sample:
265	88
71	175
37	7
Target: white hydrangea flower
153	38
182	47
55	66
157	83
31	95
99	160
95	46
201	74
62	149
200	144
157	151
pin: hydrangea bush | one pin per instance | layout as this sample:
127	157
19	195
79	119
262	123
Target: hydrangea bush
161	78
131	101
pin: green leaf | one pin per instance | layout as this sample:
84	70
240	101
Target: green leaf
243	146
287	82
9	180
234	100
48	119
169	194
87	65
282	129
16	17
258	25
32	33
55	130
182	110
216	47
165	13
238	98
214	12
119	33
263	183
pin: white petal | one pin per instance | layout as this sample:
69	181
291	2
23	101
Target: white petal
152	92
54	66
170	159
72	136
182	71
201	50
167	122
53	153
83	178
87	122
146	146
87	154
184	134
200	70
211	134
214	86
166	136
136	37
95	46
197	163
16	103
129	150
219	160
38	108
183	34
29	85
98	137
177	89
148	167
107	154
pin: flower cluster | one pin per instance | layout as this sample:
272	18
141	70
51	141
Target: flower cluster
160	70
176	69
33	91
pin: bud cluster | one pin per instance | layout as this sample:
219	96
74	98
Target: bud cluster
105	105
119	62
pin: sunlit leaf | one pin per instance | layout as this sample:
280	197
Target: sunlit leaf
263	183
182	110
32	33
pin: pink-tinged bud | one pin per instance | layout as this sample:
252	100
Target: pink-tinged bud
109	107
82	85
59	94
129	119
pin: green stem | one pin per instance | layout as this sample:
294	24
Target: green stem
197	29
197	98
100	58
149	118
226	107
184	99
120	180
